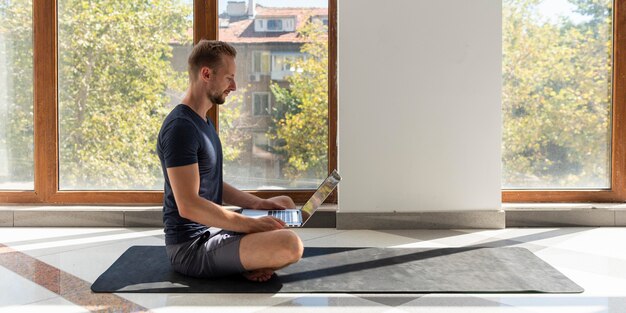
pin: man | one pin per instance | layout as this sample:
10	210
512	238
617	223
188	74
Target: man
191	157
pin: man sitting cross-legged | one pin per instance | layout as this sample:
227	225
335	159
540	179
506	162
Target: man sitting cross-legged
191	157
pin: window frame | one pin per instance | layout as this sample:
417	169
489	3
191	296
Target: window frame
45	107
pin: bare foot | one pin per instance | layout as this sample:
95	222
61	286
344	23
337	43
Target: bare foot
260	275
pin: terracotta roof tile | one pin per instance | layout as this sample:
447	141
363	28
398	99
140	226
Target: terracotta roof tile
242	30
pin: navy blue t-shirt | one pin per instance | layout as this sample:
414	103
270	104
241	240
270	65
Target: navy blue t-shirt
186	138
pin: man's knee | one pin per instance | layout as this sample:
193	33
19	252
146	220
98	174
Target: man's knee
293	247
274	249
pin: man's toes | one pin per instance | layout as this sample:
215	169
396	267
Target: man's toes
260	275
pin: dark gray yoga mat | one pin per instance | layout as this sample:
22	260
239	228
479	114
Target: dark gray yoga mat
354	270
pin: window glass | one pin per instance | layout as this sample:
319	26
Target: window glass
121	68
294	95
274	25
557	69
16	96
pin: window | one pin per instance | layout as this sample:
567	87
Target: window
114	72
261	103
16	96
558	103
291	110
261	62
285	64
100	78
274	25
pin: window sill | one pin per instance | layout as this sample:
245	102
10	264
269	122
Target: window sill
110	216
565	214
516	214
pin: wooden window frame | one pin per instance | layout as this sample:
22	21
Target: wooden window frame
205	24
617	191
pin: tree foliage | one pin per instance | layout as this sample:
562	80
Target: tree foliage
16	37
114	72
556	96
233	119
301	113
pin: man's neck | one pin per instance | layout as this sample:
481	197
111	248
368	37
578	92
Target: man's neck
197	101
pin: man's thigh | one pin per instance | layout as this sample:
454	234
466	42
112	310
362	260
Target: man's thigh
206	256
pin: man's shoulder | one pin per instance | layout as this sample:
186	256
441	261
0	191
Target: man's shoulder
179	113
177	126
178	117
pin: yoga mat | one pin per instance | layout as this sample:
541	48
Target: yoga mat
354	270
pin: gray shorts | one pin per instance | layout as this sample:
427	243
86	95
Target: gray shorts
208	255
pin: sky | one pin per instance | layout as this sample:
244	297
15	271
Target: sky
552	9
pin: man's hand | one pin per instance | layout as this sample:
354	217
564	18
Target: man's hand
269	204
265	223
275	203
242	199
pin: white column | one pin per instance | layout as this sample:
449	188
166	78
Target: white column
419	105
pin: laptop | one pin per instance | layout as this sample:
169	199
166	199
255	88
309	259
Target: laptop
298	217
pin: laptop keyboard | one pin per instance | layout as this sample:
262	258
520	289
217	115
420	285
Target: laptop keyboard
289	217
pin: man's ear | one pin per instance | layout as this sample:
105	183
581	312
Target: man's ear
205	73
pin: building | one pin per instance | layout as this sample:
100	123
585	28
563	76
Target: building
267	43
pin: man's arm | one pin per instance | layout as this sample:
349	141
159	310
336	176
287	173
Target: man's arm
185	182
236	197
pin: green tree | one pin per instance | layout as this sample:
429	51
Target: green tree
300	116
114	72
556	96
232	121
16	31
114	75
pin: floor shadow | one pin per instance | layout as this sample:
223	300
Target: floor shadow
417	256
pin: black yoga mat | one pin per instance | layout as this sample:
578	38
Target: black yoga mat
354	270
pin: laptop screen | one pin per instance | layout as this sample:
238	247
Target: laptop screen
322	192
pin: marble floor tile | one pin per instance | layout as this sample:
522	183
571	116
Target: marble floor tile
54	305
17	290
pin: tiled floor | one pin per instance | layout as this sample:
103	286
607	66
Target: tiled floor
51	269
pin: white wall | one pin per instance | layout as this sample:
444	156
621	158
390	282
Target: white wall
419	124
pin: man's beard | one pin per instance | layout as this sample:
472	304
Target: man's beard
217	98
